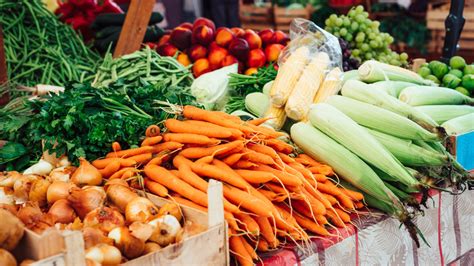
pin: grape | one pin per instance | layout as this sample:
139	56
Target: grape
373	44
354	26
368	56
327	22
343	32
365	14
375	24
349	37
359	9
339	22
365	47
404	56
347	22
351	13
360	38
355	52
360	18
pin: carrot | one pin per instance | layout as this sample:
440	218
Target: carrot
266	230
120	172
129	152
218	173
189	138
265	131
249	248
316	205
244	164
310	225
303	208
345	201
285	158
279	145
248	201
317	195
167	147
354	195
305	172
208	129
334	219
256	177
241	254
127	174
116	146
330	198
343	215
308	160
285	178
264	150
199	152
320	177
234	133
262	245
185	173
142	158
225	115
276	188
170	181
248	223
158	160
227	215
272	196
233	158
359	205
257	157
321	169
110	169
150	141
156	188
152	131
191	112
258	121
102	163
331	189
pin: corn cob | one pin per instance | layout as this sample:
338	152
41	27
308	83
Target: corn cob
373	71
393	88
459	125
443	113
278	116
257	103
427	95
331	86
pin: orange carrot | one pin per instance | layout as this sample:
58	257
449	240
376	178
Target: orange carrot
343	215
150	141
264	150
244	164
218	173
320	177
285	178
189	138
345	201
116	146
152	131
198	152
331	189
233	158
102	163
277	188
317	195
272	196
159	159
234	133
129	152
305	172
248	223
191	112
185	173
310	225
142	158
354	195
110	169
241	254
266	229
330	198
119	173
249	248
285	158
127	174
316	205
262	245
247	201
255	177
305	209
359	205
307	160
321	169
208	129
156	188
334	219
258	121
257	157
167	147
279	145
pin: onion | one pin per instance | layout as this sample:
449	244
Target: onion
86	200
141	230
171	209
140	209
38	191
6	196
11	231
120	195
62	212
130	246
166	229
6	258
62	173
76	225
91	263
151	247
42	167
7	179
104	218
9	207
30	214
115	181
27	262
189	229
58	190
63	161
93	236
86	174
22	186
104	254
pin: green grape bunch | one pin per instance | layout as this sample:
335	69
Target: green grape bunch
364	37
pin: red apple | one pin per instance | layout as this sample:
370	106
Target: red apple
186	25
253	39
213	46
266	35
203	35
238	32
224	36
280	37
229	60
239	48
197	52
181	38
204	22
167	49
164	39
201	66
272	51
216	56
256	58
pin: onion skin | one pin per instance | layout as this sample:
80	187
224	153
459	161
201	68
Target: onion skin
38	191
104	254
141	230
151	247
120	195
166	230
58	190
11	231
140	209
62	212
6	258
104	218
30	214
171	209
130	246
93	236
86	200
62	173
86	174
22	186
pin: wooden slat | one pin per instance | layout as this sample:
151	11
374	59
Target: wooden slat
134	27
257	26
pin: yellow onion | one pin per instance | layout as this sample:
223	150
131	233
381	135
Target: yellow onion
38	191
120	195
86	174
171	209
6	196
7	179
62	173
115	181
141	230
166	229
151	247
27	262
42	167
11	231
93	236
22	186
62	212
140	209
58	190
130	246
63	161
104	218
86	199
104	254
189	229
30	214
91	263
6	258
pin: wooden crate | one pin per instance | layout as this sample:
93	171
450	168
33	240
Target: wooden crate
461	146
284	16
66	248
256	17
435	22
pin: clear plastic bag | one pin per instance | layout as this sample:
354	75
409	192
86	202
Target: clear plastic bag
306	33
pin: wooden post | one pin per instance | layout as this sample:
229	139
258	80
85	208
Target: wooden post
3	69
134	27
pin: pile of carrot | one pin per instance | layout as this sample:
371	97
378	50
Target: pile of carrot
271	194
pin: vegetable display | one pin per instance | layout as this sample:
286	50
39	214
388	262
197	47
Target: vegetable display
40	49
